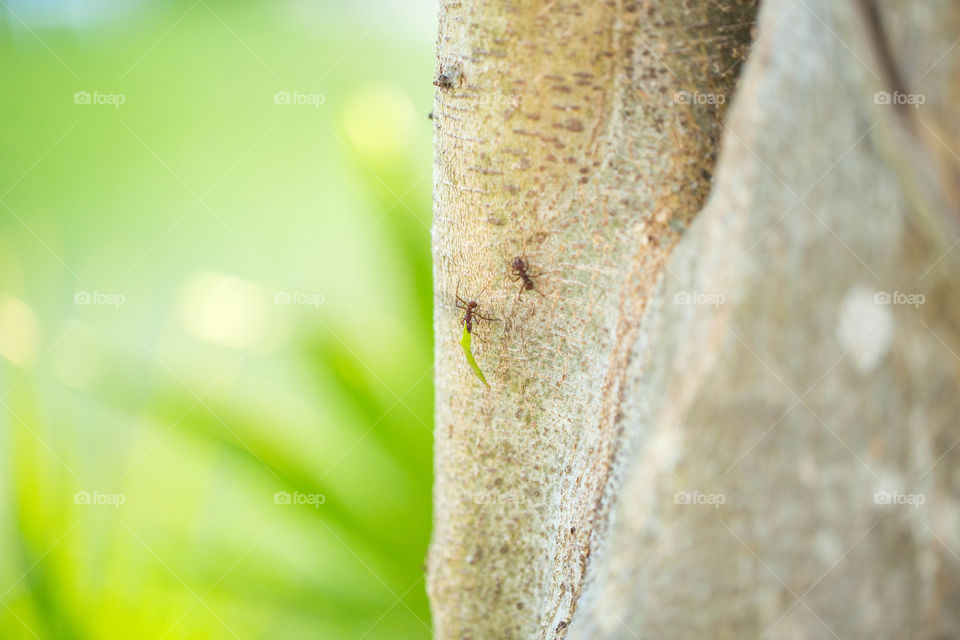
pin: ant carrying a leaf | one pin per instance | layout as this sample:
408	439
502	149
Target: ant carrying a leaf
471	315
470	310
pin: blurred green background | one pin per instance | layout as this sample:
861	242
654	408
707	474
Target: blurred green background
215	334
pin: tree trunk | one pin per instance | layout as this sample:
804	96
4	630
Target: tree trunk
738	439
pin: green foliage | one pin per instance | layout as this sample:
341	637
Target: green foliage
231	436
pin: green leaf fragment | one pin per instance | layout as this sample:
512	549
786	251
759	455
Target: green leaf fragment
465	343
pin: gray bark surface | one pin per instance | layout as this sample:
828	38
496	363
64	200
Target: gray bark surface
811	408
725	436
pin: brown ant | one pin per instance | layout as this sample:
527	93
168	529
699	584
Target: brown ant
520	270
470	311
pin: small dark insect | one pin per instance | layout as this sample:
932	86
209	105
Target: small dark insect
520	270
470	314
430	115
449	78
470	311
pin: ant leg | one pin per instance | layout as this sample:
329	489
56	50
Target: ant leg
459	299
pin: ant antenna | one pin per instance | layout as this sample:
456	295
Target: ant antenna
489	280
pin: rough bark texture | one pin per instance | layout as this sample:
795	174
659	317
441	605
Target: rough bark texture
815	411
581	137
730	444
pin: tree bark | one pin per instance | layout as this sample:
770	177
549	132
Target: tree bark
729	438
